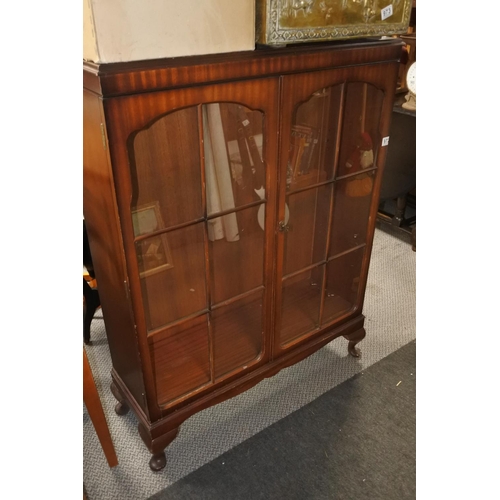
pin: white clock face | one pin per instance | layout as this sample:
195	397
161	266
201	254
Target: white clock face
411	78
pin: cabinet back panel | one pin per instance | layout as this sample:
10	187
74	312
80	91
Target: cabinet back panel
237	266
362	115
352	200
238	333
165	167
181	360
174	292
343	280
301	304
317	120
305	242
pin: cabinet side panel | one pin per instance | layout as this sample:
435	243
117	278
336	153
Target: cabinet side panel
101	220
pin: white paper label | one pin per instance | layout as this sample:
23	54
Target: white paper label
245	123
386	12
385	141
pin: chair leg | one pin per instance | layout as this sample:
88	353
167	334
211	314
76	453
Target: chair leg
96	413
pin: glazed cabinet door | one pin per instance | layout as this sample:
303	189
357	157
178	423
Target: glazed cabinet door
195	171
333	123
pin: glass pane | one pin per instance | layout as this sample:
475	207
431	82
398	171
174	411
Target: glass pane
181	359
342	284
301	304
352	200
234	167
360	129
237	333
165	168
313	139
305	242
237	265
172	271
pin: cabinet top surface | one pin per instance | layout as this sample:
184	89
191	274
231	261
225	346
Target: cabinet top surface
116	79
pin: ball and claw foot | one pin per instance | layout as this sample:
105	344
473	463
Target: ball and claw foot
158	462
157	445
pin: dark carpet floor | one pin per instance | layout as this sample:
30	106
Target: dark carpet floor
355	442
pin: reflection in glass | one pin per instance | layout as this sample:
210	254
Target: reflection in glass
313	139
331	168
353	197
200	255
153	254
360	129
177	289
237	267
234	178
165	168
234	167
305	242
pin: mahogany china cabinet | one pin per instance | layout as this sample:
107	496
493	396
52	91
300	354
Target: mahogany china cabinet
230	202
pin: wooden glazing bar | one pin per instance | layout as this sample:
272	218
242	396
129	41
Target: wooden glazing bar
359	172
345	252
324	127
236	209
322	298
340	120
157	333
327	249
234	299
310	186
304	269
338	138
205	239
168	229
363	112
200	219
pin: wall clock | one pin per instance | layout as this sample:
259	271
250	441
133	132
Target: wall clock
411	83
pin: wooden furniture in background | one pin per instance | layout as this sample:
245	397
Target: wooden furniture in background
399	181
96	413
400	174
230	204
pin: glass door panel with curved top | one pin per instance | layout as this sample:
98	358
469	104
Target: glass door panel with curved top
331	165
199	192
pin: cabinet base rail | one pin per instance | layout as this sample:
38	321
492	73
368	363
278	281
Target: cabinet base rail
159	434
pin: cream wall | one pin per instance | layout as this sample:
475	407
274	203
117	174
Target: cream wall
132	30
89	40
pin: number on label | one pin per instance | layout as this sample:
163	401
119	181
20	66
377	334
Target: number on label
386	12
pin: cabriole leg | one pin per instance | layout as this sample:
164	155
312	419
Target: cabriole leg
354	338
121	408
157	446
